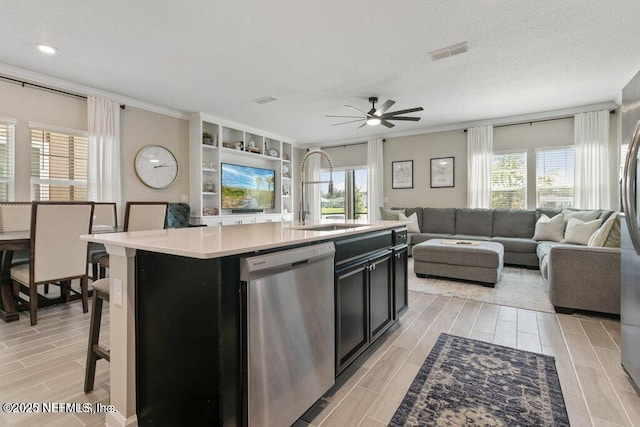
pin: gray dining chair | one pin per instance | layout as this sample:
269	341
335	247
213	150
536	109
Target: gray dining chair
140	216
105	216
57	254
16	216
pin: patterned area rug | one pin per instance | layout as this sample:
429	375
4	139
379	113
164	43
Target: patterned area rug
466	382
518	287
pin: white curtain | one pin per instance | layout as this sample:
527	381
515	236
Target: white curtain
479	154
104	184
591	137
312	191
375	179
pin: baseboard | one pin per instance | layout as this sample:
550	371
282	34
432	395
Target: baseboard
116	419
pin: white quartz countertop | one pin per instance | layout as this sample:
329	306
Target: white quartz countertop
216	241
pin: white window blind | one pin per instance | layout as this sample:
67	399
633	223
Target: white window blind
554	177
58	165
7	141
509	180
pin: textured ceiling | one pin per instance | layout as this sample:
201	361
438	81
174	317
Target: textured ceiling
316	56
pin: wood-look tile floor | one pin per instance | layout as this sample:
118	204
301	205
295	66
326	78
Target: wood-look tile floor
45	363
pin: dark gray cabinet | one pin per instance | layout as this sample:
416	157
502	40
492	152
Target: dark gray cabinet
352	321
400	280
380	295
364	305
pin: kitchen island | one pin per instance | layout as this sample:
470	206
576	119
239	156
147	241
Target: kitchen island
190	297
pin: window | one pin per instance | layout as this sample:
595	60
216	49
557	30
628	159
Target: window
7	139
509	180
349	198
58	165
623	158
554	177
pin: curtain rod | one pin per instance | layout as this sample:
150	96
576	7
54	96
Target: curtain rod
347	145
540	120
50	89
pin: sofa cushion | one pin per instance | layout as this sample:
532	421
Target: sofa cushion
438	220
516	244
600	236
390	214
580	232
412	227
550	212
549	228
514	223
474	222
411	211
613	239
582	215
606	214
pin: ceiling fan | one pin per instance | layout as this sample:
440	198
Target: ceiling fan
377	116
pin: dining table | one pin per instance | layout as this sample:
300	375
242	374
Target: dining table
11	242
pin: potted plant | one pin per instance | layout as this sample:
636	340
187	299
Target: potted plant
206	138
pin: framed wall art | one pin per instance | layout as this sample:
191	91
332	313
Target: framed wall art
442	172
402	174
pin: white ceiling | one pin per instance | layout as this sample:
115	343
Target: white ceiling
316	56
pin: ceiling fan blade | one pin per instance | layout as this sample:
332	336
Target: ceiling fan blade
395	113
384	107
355	108
348	117
386	123
409	119
362	125
350	121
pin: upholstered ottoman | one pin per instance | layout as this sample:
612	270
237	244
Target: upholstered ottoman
469	260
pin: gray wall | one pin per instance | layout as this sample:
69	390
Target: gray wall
422	148
138	128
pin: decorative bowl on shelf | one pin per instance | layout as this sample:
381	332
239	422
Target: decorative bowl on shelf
274	153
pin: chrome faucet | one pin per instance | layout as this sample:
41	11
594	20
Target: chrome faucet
303	213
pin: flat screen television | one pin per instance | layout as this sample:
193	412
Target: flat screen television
247	187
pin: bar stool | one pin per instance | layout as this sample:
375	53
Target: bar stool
95	351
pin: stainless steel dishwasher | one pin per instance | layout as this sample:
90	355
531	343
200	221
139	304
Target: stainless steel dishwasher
290	332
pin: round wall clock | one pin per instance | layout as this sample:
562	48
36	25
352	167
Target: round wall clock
156	166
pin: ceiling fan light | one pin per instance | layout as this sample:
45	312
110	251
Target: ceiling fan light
373	121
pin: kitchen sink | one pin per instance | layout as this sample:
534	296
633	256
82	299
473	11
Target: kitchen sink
328	227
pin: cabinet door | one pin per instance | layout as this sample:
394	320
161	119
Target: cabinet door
352	329
380	294
400	280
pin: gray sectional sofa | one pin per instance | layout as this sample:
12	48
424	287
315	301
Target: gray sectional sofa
576	276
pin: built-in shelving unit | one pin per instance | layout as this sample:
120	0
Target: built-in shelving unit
231	144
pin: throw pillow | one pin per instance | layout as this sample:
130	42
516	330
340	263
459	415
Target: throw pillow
390	214
585	216
413	226
551	229
613	239
600	236
580	232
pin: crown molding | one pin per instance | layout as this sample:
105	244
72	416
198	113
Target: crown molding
523	118
76	88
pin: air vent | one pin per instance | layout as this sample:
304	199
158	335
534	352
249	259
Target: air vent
264	100
445	52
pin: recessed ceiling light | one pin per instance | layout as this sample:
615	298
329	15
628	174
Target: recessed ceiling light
45	48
